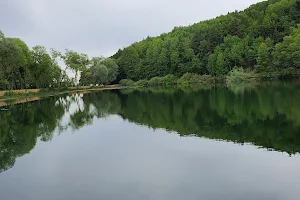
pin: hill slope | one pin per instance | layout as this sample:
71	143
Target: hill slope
264	37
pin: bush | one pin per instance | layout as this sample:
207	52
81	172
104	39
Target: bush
9	94
189	78
155	81
141	83
169	79
185	79
206	79
268	76
127	82
288	73
238	75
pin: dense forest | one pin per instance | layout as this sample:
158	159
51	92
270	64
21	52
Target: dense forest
23	68
261	115
264	38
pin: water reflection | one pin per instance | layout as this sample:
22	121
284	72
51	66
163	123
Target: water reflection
267	116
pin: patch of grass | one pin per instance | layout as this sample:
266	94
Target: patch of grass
9	94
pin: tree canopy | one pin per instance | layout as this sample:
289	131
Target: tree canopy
24	68
100	71
264	37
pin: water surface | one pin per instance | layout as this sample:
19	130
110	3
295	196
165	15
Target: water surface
159	143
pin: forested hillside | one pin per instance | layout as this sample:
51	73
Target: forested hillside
263	38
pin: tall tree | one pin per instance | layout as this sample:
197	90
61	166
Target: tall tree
42	69
76	62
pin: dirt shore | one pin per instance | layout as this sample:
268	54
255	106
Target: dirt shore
20	96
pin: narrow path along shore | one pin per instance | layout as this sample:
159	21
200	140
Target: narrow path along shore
21	96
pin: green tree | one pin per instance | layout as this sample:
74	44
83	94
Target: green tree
12	65
190	49
113	69
76	62
128	62
100	74
42	68
287	53
264	55
24	71
217	64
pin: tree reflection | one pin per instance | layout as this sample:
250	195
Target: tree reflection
265	115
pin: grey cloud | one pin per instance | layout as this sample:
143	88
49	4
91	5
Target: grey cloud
101	27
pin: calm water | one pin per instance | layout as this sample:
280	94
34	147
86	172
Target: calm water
169	144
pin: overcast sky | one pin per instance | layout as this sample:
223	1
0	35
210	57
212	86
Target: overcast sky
101	27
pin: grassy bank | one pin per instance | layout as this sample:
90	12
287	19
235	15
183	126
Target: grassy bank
235	76
19	94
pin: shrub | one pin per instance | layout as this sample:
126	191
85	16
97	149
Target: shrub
206	79
169	79
238	75
155	81
9	94
288	73
141	83
189	78
126	82
185	79
268	76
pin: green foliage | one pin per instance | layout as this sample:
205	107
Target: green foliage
155	81
190	78
169	79
221	114
44	72
287	53
9	94
238	76
261	36
1	35
112	68
24	68
289	73
75	61
271	119
264	56
100	71
141	83
14	73
100	74
127	82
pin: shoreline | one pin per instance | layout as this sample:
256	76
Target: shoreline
28	96
23	96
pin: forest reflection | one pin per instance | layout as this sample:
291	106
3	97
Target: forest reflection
265	115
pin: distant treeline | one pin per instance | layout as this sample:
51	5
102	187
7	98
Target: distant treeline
23	68
265	38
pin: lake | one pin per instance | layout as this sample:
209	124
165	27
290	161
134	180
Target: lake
156	143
